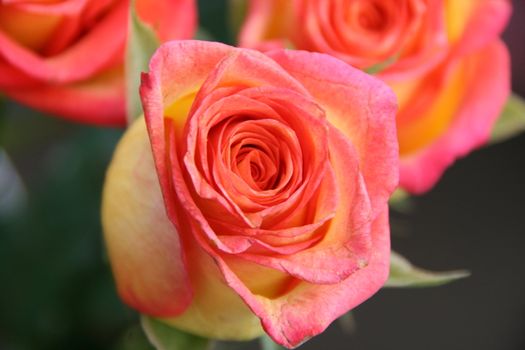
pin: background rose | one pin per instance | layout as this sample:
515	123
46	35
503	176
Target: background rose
442	58
66	57
450	110
274	176
362	33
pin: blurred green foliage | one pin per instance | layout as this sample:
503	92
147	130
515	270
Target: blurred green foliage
57	291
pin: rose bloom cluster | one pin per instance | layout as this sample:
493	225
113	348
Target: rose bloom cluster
443	58
252	196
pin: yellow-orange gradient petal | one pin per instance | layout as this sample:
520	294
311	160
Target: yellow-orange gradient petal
428	106
458	13
35	36
216	310
143	245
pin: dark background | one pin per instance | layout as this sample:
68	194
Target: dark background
56	291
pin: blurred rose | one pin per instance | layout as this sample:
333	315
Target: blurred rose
443	59
449	111
65	57
360	32
261	192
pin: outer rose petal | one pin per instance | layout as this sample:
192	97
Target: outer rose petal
486	90
171	19
474	23
143	245
12	78
266	20
360	106
99	101
216	310
308	309
149	264
159	92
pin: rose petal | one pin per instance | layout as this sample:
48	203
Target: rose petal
69	7
477	23
486	89
289	319
346	243
171	19
292	237
307	120
266	20
79	62
11	78
160	92
360	106
224	315
432	48
148	264
98	101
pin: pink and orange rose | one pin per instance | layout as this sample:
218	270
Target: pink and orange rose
255	192
66	57
443	58
363	33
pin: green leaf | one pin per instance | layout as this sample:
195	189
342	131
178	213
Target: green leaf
164	337
142	43
268	344
404	274
512	120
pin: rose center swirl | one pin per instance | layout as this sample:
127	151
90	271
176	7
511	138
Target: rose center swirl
258	154
370	16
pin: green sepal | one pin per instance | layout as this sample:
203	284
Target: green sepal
228	345
512	120
164	337
133	339
401	201
142	43
404	274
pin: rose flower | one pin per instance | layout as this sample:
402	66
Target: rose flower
65	57
443	59
254	193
